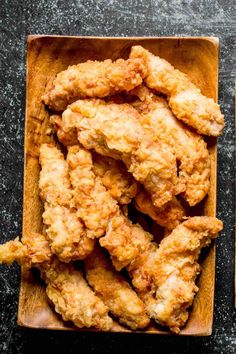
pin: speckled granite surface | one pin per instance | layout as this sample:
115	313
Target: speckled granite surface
111	18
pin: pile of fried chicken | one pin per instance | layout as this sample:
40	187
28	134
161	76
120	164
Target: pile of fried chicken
132	131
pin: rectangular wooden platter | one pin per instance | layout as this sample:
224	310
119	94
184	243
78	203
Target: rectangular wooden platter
46	56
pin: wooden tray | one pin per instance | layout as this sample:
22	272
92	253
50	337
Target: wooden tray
47	55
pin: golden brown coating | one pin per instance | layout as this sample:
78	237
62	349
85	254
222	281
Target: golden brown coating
168	216
101	213
164	277
114	290
94	204
185	99
67	234
31	252
101	126
54	181
114	130
12	251
189	148
66	138
118	181
65	231
73	298
140	270
94	79
66	287
174	268
38	250
124	241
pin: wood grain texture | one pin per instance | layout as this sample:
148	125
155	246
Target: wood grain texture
46	56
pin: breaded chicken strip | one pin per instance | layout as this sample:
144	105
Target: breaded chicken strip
185	99
73	298
94	79
124	241
115	177
54	181
140	270
100	211
66	287
118	181
93	202
174	268
114	130
30	252
164	277
66	138
13	251
131	247
65	231
69	239
168	216
189	148
114	290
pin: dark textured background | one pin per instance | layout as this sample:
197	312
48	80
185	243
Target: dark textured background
111	18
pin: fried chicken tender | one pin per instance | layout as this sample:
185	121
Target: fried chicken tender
73	298
65	231
140	270
185	99
114	290
66	138
168	216
65	286
11	251
164	276
173	270
118	181
100	211
68	236
189	148
94	79
31	252
94	203
124	241
54	182
114	130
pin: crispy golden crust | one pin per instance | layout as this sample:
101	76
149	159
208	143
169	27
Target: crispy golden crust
164	277
114	130
33	251
101	213
66	288
67	235
38	249
174	269
73	298
94	204
67	138
189	148
118	181
94	79
54	182
124	241
140	270
115	291
185	99
154	165
65	231
12	251
168	216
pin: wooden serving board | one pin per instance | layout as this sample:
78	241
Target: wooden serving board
46	56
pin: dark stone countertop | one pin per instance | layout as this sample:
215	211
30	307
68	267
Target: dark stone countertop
111	18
